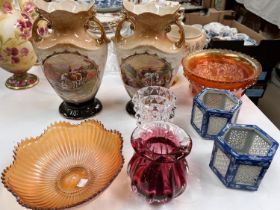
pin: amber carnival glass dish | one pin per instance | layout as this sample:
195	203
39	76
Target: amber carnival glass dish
65	166
222	69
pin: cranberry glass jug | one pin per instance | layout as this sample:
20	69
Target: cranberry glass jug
158	169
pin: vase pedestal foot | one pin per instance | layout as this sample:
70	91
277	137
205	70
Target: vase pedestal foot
80	111
22	81
130	108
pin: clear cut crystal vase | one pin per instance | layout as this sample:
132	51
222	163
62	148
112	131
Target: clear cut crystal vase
154	103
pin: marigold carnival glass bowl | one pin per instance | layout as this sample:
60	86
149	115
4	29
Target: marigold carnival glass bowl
222	69
65	166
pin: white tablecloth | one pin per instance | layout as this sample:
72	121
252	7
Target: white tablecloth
266	9
27	113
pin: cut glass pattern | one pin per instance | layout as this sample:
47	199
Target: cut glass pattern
154	103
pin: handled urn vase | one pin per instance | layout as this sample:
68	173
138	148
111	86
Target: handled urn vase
16	52
147	57
73	59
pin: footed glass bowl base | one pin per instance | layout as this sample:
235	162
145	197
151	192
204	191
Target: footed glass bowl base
22	81
130	108
80	111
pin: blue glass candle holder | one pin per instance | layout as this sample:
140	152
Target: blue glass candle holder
241	156
212	110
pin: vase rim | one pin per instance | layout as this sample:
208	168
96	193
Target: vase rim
65	5
161	129
157	7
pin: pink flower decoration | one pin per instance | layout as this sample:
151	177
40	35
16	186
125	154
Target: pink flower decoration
25	35
25	16
11	51
8	51
24	51
42	31
7	7
25	26
14	51
28	7
15	60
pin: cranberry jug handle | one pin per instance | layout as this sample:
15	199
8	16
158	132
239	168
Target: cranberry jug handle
103	38
118	36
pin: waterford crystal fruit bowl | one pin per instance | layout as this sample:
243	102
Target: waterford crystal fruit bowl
65	166
222	69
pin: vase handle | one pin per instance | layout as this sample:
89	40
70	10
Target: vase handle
41	28
118	36
103	38
181	41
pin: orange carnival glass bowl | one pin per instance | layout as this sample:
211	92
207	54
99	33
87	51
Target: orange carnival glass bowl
65	166
222	69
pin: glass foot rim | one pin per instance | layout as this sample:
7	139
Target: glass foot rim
80	111
33	80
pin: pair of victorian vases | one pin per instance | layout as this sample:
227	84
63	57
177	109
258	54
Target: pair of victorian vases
73	57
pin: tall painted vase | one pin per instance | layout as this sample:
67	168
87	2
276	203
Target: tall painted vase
147	57
73	59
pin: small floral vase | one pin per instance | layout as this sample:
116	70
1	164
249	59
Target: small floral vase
16	52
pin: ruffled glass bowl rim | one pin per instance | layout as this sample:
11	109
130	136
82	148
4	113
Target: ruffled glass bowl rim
36	139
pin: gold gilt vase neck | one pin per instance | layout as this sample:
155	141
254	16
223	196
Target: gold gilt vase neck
70	6
65	14
63	21
159	8
150	23
69	22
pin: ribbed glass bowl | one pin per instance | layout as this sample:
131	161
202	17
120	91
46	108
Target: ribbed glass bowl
65	166
222	69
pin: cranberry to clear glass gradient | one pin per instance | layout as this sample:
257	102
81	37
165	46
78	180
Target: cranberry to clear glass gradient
158	169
